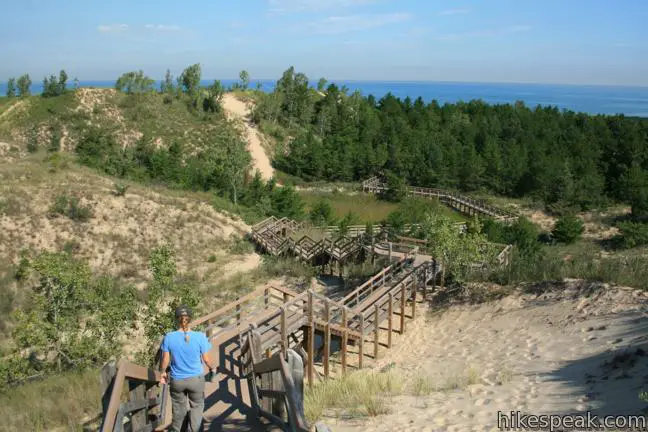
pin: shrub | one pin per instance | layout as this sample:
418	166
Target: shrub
22	270
120	189
70	207
322	213
568	229
240	246
633	234
396	188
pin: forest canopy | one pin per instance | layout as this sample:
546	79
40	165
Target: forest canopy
570	161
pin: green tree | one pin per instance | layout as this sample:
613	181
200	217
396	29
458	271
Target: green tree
321	84
11	87
134	82
244	76
24	85
167	85
636	181
190	79
72	321
396	188
62	82
345	223
568	229
321	214
455	251
76	83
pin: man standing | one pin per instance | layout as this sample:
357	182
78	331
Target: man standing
186	351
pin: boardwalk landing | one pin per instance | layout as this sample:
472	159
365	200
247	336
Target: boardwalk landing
261	340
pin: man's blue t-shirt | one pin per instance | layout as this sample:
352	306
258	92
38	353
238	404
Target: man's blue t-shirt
186	357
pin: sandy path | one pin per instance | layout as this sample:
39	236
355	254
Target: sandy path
12	107
238	109
552	353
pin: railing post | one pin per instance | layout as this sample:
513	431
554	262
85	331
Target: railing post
345	337
376	330
402	310
266	295
361	342
284	334
327	337
311	338
414	289
238	312
390	252
390	311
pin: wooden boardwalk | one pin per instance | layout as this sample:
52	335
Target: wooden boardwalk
268	342
461	203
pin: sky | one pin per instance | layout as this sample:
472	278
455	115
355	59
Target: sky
529	41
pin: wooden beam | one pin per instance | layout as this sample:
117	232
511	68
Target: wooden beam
390	313
376	331
414	300
402	310
327	338
311	339
284	334
345	339
361	344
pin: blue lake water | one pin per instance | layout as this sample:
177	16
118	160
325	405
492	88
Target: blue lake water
631	101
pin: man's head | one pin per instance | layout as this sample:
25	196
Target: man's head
183	315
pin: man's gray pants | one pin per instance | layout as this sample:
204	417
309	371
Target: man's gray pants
194	389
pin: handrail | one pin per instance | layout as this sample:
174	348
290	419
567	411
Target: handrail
232	306
126	371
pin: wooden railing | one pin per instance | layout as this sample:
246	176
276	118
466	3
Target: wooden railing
274	383
461	202
145	395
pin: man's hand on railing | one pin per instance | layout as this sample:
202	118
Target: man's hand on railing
164	378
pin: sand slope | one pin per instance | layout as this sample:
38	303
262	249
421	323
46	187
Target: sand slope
239	110
568	349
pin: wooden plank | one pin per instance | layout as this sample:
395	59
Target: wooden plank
402	310
327	338
361	344
345	339
376	331
414	302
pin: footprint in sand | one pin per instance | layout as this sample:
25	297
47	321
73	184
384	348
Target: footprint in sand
483	402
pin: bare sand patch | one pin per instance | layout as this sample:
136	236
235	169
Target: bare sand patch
555	349
238	110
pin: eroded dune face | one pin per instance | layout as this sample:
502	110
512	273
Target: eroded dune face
567	348
122	231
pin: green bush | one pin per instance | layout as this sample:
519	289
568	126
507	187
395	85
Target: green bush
70	207
396	188
321	214
120	189
22	270
568	229
633	234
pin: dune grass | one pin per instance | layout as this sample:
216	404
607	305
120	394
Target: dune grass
367	207
61	402
358	394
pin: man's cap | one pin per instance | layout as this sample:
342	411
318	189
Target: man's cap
182	310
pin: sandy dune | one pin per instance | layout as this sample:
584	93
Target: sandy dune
239	110
567	348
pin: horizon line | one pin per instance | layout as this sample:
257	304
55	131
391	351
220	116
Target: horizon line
395	81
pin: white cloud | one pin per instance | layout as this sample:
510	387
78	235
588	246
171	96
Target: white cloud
460	11
113	28
162	27
291	6
485	33
350	23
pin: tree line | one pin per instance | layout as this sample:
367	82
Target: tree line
570	161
